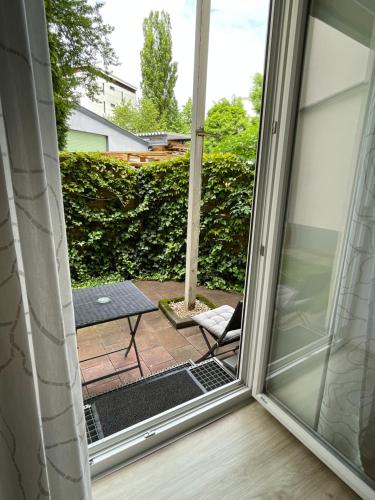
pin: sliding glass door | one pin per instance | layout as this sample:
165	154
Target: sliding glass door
318	361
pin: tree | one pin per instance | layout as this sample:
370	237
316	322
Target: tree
244	144
185	117
124	115
80	51
225	119
256	92
139	117
144	117
159	72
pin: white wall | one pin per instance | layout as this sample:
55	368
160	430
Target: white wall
326	153
117	141
333	102
109	96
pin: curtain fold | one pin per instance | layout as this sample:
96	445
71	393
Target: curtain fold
43	449
347	413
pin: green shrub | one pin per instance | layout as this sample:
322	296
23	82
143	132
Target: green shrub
132	222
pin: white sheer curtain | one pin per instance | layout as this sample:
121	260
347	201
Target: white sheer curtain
43	449
347	414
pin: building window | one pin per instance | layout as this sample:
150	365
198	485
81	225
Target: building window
112	87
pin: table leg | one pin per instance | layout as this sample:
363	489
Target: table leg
129	346
133	331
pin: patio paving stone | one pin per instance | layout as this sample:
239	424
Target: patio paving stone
115	347
198	342
119	361
93	362
160	345
162	366
90	349
132	375
145	342
184	353
89	333
155	356
157	324
98	370
116	338
104	386
187	332
170	338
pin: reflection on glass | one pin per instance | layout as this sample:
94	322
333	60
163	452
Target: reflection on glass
322	355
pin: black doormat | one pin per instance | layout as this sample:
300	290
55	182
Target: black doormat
131	404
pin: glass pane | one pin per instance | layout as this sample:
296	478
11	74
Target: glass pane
322	363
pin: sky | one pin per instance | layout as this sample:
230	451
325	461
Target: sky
238	31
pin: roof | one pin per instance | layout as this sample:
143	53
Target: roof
170	136
106	122
119	81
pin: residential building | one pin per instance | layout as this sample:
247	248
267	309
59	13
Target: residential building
112	91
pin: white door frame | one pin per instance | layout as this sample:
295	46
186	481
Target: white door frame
202	29
145	437
286	34
274	160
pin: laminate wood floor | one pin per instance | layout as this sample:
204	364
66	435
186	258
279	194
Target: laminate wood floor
245	455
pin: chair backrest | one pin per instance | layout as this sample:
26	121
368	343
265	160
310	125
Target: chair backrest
236	319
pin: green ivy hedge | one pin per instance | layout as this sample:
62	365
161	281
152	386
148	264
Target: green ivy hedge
132	222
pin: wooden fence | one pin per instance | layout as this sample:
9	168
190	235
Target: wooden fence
138	158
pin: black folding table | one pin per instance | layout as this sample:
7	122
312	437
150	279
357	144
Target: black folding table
104	303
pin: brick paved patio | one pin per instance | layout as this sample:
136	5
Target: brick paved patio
160	345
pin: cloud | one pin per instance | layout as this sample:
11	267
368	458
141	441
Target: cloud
236	50
240	15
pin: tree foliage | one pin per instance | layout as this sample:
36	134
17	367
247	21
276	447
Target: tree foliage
243	144
232	129
224	120
80	51
185	117
133	221
143	116
256	92
159	71
140	117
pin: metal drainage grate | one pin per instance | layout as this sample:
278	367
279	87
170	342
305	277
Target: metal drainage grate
211	375
93	430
